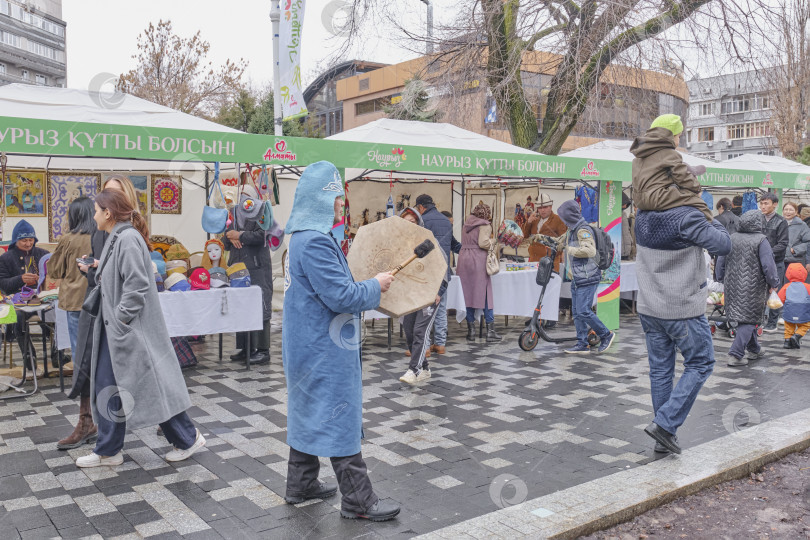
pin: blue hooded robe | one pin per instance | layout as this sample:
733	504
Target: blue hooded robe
320	343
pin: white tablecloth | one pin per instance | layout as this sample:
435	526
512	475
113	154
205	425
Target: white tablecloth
197	313
515	293
216	311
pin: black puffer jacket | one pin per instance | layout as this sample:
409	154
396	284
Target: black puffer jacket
12	267
256	256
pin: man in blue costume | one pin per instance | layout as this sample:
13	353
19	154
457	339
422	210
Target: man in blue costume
321	352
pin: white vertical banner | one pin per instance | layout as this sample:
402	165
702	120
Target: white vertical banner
291	87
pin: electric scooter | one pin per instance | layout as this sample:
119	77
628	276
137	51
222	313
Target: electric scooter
534	328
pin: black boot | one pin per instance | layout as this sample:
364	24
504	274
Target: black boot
470	331
788	343
795	341
260	356
491	334
238	357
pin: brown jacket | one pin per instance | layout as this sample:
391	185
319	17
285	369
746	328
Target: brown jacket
661	180
62	265
553	226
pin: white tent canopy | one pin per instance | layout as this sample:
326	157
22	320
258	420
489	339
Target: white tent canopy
757	162
70	105
436	135
618	150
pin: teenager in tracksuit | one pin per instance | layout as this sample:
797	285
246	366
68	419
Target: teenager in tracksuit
418	324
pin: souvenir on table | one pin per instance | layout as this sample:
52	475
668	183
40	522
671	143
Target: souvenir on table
159	282
200	279
167	194
177	282
238	275
212	255
157	258
510	234
219	277
63	189
176	267
177	252
25	193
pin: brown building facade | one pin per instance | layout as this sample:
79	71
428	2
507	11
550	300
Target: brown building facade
624	104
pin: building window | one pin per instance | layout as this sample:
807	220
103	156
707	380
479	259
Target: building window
735	105
41	79
44	50
5	8
24	74
706	134
372	105
706	109
766	153
2	69
732	156
689	135
10	39
748	131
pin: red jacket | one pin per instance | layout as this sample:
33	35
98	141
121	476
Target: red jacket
796	273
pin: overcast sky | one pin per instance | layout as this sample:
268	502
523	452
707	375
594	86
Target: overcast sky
102	35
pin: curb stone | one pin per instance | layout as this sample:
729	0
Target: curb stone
608	501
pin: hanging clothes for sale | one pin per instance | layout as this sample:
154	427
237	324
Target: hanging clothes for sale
707	198
749	201
588	199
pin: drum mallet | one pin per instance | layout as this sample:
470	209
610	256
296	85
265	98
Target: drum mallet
419	252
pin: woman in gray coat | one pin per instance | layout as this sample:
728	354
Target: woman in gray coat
798	234
135	378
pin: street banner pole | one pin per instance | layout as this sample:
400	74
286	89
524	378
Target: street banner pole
275	17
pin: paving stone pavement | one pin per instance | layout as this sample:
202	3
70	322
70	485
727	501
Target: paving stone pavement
493	427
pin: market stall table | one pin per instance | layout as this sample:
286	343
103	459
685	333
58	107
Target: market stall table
215	311
515	294
26	312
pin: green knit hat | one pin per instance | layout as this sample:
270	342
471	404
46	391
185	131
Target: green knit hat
671	122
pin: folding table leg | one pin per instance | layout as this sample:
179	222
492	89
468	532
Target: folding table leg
247	350
61	374
390	331
220	348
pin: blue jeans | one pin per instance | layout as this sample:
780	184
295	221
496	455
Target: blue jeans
179	430
664	337
489	315
584	317
73	328
440	325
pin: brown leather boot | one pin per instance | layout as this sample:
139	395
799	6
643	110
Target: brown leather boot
85	431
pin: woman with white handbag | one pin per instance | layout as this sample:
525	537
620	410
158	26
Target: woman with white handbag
477	261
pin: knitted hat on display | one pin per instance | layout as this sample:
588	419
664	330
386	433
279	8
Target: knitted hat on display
157	258
672	122
200	279
176	266
177	282
219	277
177	252
237	270
159	283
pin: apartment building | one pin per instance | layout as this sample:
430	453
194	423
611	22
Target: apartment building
729	115
32	42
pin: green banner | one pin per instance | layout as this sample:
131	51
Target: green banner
52	138
610	219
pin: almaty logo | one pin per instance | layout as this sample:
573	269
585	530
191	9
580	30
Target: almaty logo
590	170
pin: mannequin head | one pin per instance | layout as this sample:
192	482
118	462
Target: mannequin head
214	253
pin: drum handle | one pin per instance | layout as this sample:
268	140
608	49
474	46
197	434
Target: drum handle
403	265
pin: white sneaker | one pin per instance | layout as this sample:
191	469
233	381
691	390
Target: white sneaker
95	460
423	375
409	377
180	455
781	321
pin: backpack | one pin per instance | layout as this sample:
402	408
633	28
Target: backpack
605	250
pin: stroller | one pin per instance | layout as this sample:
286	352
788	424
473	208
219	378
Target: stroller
718	320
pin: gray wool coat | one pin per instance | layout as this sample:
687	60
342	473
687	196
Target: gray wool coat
147	373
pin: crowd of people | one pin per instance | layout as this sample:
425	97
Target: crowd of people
126	373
